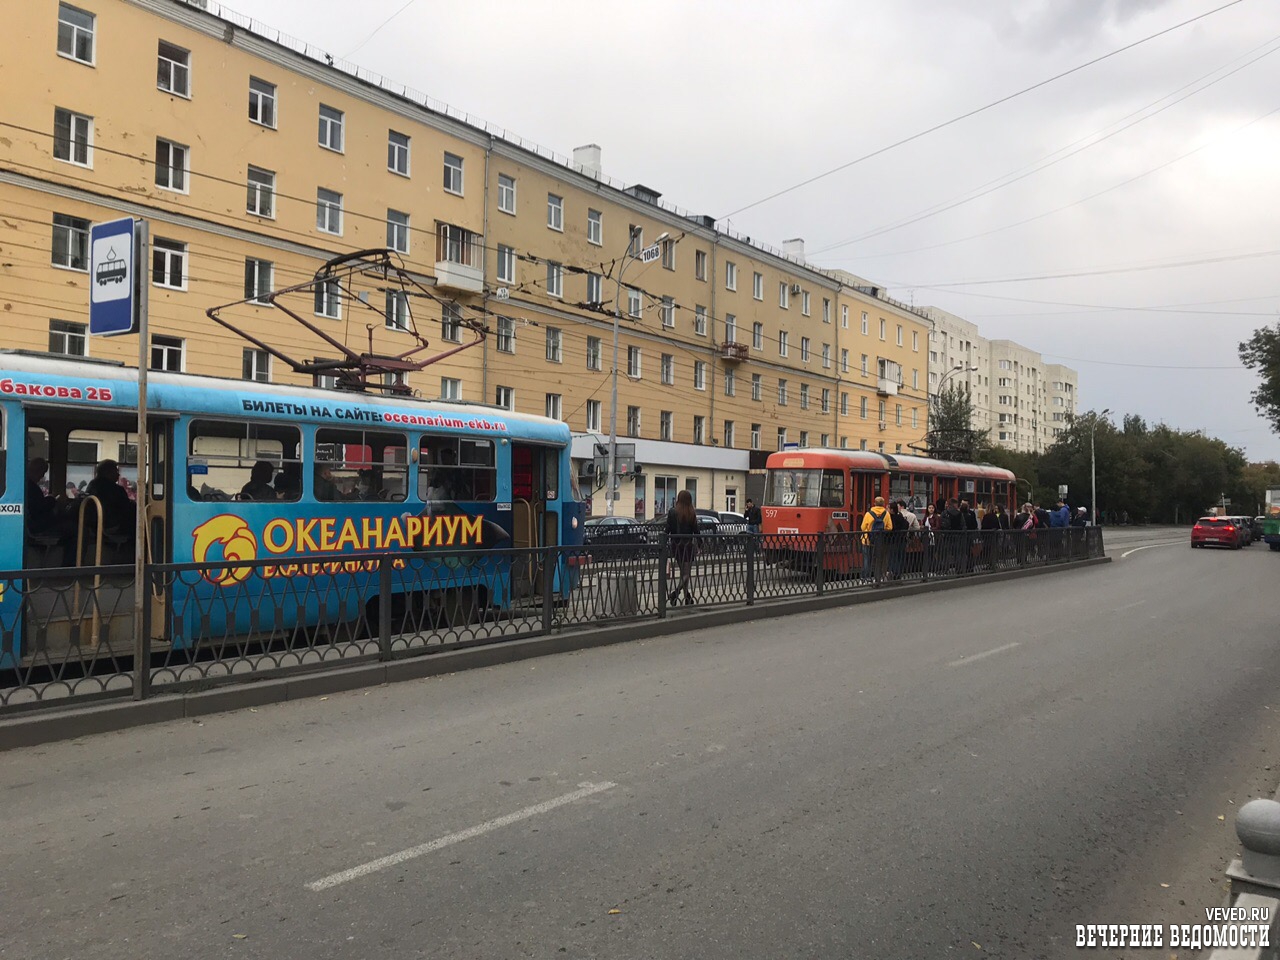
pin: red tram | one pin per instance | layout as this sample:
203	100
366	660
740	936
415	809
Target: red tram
814	491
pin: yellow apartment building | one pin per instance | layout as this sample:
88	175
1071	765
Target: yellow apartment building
255	159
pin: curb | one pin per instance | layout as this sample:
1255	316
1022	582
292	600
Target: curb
48	726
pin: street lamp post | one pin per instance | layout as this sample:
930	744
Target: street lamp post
627	258
1093	467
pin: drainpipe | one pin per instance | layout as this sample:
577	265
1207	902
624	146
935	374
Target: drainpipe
711	346
484	279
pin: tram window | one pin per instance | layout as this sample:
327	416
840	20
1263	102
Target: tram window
804	488
87	448
243	461
921	492
832	488
452	468
899	486
360	465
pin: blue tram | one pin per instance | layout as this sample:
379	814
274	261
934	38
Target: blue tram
248	471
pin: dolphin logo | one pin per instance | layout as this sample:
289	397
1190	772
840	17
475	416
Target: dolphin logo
238	544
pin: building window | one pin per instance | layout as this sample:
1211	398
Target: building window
700	265
782	438
862	444
70	242
507	194
555	341
915	379
668	312
730	328
897	414
173	70
865	362
450	388
166	354
634	306
256	365
171	165
553	404
728	434
594	415
915	418
826	356
506	335
329	299
782	392
883	325
804	303
826	310
453	173
329	211
398	153
730	275
169	263
262	102
633	421
804	349
783	343
505	397
844	443
700	320
635	239
699	375
555	212
915	341
784	296
72	137
899	334
668	369
804	438
844	360
730	382
826	401
865	322
664	425
669	254
880	408
262	192
757	286
844	318
804	396
397	310
257	279
68	339
755	436
595	227
506	264
633	363
844	404
593	353
862	407
75	33
757	336
398	231
699	429
555	279
451	323
595	288
331	123
757	387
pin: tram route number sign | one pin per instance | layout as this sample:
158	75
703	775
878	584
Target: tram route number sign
113	270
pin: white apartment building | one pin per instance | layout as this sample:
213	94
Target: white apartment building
1022	401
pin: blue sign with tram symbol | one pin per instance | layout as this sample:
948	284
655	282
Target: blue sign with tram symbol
113	304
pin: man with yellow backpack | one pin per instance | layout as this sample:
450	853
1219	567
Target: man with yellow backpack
876	524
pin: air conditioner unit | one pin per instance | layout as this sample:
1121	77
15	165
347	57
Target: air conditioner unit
883	425
795	289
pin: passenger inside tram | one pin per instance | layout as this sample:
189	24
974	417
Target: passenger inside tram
259	486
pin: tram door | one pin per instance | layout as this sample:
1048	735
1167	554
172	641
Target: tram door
535	482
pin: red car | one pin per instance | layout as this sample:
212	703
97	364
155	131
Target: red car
1216	532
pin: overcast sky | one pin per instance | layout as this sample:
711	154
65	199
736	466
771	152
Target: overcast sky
720	104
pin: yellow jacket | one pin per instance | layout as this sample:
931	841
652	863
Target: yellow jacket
868	520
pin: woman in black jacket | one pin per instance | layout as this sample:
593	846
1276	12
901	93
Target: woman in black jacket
682	529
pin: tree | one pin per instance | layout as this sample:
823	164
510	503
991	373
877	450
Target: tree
1261	353
951	433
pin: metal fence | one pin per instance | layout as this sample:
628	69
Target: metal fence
69	634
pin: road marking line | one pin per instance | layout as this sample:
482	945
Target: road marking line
986	653
1152	546
584	790
1129	606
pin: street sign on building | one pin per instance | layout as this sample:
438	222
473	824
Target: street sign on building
651	253
113	298
1062	490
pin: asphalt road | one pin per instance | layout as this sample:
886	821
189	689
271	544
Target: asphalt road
970	772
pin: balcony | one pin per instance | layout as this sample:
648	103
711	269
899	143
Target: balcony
887	387
733	352
459	259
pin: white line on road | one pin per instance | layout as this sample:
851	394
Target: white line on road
1152	546
1129	606
986	653
584	790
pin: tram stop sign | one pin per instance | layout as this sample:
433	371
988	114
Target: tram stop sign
113	298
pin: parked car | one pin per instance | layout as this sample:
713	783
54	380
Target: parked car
1256	526
733	522
614	531
1244	525
1216	532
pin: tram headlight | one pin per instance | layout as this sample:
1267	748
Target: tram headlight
575	523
